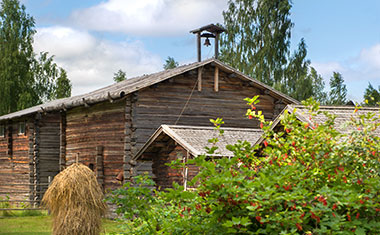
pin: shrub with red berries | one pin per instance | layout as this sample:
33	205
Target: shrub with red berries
302	179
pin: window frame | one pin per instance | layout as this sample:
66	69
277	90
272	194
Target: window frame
21	130
2	131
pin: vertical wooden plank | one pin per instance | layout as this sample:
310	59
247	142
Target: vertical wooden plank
31	161
200	78
127	139
100	165
199	46
10	140
216	79
36	146
216	45
62	140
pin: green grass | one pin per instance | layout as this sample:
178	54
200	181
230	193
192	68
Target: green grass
41	225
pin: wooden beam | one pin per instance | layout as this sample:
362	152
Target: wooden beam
216	45
99	162
199	46
200	79
62	142
216	79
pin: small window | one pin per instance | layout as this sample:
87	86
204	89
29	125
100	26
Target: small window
21	128
2	131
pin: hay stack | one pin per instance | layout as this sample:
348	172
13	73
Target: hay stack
75	201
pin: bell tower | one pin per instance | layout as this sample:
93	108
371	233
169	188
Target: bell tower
208	31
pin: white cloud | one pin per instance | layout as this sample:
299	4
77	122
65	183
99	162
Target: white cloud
90	62
327	69
357	72
150	17
371	56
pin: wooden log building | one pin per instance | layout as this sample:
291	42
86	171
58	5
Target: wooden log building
106	128
171	142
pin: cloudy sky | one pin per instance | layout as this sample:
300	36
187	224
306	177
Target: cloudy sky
93	39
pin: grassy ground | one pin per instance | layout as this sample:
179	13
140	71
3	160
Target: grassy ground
40	225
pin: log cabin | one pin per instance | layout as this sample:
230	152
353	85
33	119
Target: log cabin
173	142
106	128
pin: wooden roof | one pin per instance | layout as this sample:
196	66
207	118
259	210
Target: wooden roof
343	115
195	138
211	28
121	89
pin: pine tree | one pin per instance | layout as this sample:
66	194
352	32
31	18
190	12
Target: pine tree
119	76
170	63
372	95
338	90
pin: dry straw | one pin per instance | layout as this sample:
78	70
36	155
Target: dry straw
75	201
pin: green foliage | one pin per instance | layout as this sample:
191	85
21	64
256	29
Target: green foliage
372	95
62	87
50	81
119	76
258	35
306	178
170	63
257	43
24	79
338	90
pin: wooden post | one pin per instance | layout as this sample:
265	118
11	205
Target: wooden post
199	46
62	142
216	79
36	157
216	45
128	137
100	165
9	140
185	171
31	162
200	79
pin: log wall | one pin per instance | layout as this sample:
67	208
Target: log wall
49	148
164	175
164	103
100	125
14	162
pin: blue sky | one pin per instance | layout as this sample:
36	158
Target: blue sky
93	39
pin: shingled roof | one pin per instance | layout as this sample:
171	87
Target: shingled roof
343	115
195	138
121	89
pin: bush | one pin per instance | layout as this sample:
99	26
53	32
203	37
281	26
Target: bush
305	180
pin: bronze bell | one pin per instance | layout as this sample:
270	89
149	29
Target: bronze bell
207	42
